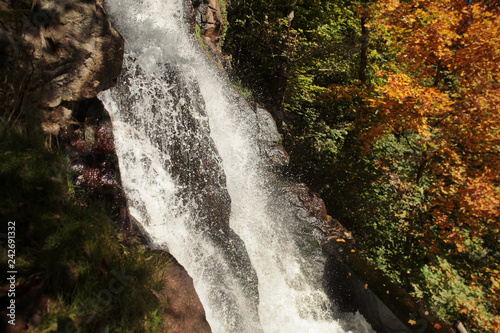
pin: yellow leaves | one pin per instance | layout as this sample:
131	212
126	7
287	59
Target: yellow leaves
457	122
412	322
406	104
392	5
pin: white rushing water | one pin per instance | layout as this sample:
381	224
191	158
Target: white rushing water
165	77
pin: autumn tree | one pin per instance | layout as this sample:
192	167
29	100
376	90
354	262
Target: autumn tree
443	100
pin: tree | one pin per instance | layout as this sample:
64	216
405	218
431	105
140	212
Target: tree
262	42
443	100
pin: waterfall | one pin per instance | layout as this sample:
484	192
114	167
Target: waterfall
192	166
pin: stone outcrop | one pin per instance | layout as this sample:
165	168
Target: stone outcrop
270	140
305	206
185	312
71	52
208	17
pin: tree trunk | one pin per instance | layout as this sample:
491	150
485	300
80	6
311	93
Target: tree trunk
281	75
365	41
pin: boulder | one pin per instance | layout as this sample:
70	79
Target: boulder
184	312
270	140
70	51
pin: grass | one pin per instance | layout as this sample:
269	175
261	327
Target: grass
94	277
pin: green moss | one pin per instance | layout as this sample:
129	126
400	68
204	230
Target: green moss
199	35
223	4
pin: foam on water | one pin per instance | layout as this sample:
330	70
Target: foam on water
145	108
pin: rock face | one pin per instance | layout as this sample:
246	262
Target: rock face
72	52
77	52
306	207
64	55
270	140
208	16
184	313
177	124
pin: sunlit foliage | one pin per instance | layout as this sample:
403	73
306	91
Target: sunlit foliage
400	134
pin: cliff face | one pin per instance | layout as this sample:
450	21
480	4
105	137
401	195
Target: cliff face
57	56
207	15
71	52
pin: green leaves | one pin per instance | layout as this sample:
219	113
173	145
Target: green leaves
400	136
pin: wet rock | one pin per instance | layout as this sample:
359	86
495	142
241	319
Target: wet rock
268	131
310	208
89	143
338	232
270	140
194	162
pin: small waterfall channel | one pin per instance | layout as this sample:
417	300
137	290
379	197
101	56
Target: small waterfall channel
198	181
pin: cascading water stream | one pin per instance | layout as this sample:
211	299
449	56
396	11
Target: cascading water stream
190	158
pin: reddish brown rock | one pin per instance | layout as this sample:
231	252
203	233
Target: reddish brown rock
311	201
313	209
90	144
209	18
184	312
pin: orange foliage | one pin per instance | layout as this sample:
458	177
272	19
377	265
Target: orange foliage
447	90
